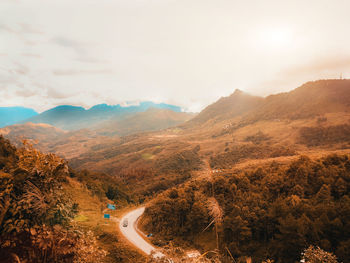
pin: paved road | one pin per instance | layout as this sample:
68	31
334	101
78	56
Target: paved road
133	236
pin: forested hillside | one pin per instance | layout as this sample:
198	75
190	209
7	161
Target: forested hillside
39	217
270	212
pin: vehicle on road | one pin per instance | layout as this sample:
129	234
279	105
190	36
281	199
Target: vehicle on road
128	228
125	222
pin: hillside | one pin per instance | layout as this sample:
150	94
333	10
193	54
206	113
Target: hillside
151	120
234	137
312	119
42	133
311	99
51	213
12	115
69	117
272	211
47	138
225	108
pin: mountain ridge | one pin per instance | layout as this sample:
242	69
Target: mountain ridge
70	117
12	115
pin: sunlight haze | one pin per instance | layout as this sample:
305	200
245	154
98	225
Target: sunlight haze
187	53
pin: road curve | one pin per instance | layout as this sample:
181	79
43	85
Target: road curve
133	236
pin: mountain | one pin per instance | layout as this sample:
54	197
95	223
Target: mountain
242	127
226	108
150	120
48	138
237	131
64	117
312	99
69	117
241	150
12	115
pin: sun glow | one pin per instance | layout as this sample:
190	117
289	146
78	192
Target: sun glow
275	38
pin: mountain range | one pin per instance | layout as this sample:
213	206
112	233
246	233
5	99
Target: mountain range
240	128
232	130
240	146
68	117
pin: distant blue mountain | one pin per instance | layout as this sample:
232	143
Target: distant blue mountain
13	115
73	118
143	106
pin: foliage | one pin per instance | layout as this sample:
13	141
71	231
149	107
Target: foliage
248	151
36	213
273	211
180	163
188	210
101	185
319	135
317	255
257	138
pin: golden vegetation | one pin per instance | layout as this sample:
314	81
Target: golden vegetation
50	213
36	214
248	151
330	135
273	211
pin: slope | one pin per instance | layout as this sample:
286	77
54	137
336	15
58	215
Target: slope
151	120
236	104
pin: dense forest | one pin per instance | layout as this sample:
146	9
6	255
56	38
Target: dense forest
36	213
271	212
329	135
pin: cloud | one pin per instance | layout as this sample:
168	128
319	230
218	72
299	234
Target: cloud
6	28
28	29
20	29
53	93
80	48
318	68
22	92
68	72
21	69
31	55
65	42
91	60
320	65
189	52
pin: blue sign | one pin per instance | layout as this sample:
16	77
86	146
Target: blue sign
110	206
107	216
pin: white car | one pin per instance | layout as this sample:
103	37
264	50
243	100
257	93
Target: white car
125	222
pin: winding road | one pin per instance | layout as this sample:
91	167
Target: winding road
131	233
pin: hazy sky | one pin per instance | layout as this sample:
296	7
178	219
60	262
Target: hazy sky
185	52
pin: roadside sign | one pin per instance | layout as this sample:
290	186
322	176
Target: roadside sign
108	216
110	206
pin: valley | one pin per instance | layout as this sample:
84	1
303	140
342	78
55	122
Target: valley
238	179
162	131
